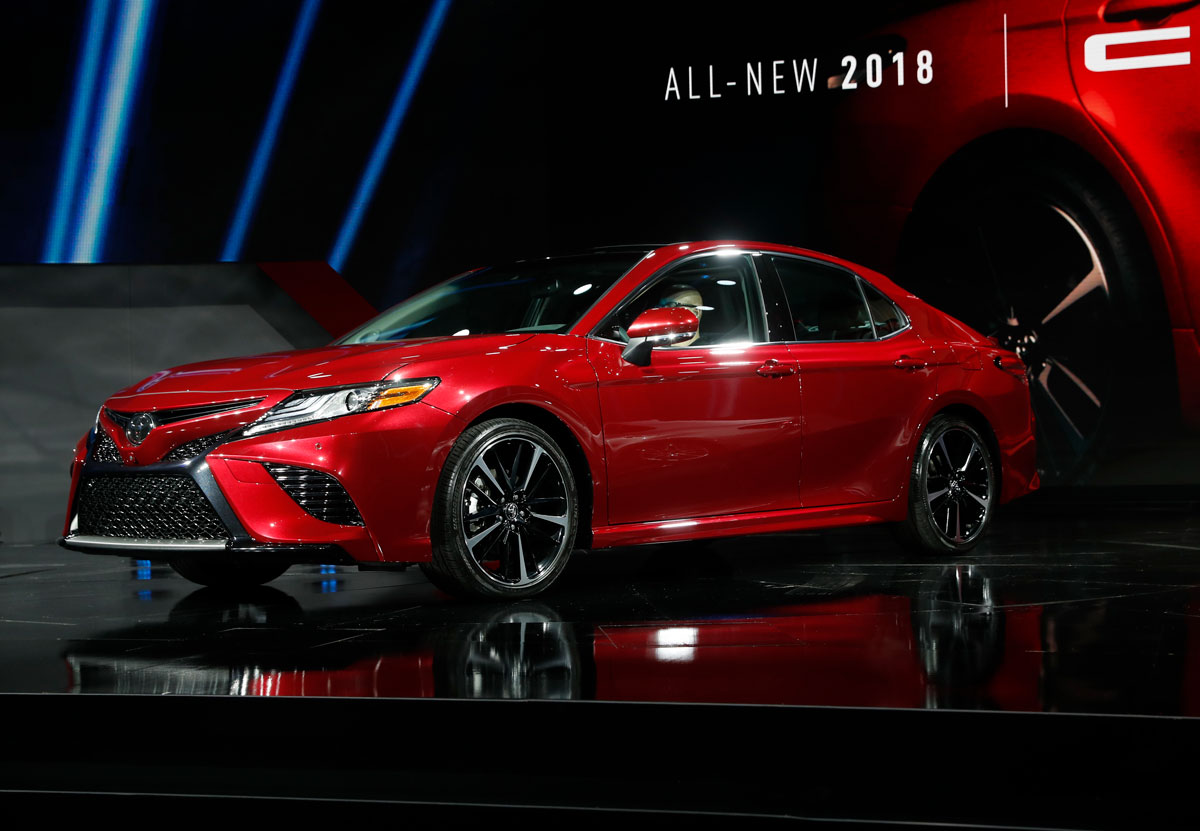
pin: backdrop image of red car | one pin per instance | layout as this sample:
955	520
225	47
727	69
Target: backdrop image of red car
1046	196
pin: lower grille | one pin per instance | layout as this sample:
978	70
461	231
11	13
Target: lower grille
148	506
317	493
105	450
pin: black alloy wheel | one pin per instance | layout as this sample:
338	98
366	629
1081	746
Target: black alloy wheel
505	514
953	488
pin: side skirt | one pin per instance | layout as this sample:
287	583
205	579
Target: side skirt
765	522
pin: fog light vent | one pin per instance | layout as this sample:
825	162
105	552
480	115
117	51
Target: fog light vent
317	493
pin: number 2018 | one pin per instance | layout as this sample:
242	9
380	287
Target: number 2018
874	69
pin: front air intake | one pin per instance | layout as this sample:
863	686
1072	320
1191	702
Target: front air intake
317	493
147	506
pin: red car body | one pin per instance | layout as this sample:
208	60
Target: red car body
700	443
1113	78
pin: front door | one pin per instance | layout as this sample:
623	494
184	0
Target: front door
710	427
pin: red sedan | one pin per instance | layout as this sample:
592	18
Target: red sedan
494	423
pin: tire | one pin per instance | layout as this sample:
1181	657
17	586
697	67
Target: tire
1039	248
953	488
505	513
224	573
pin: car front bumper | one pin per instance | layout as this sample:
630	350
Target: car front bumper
387	463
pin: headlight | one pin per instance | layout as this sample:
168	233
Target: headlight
321	405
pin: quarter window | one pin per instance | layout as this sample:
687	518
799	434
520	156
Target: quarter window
886	315
824	301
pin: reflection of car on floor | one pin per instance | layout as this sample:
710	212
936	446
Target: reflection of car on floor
951	644
487	427
1040	184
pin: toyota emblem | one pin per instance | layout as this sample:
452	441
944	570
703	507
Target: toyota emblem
139	427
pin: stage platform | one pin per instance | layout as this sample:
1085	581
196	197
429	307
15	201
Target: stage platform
822	676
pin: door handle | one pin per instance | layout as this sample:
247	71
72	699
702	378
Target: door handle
776	369
909	362
1121	11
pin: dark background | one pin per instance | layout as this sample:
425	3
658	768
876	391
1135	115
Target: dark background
537	128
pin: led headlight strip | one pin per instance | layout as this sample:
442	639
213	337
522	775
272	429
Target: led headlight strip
321	405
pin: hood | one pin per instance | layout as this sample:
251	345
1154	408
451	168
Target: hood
327	366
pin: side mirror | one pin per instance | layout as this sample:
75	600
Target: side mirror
659	327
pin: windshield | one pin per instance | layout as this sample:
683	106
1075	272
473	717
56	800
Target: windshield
536	296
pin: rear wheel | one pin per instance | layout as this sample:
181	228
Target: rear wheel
505	514
953	488
223	573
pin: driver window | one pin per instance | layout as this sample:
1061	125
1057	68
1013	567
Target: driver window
722	291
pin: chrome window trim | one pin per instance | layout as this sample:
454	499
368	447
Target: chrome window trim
875	338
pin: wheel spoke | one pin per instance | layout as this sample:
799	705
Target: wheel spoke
474	541
488	548
1043	380
980	499
937	495
482	468
537	457
512	475
523	576
480	491
941	444
483	513
560	521
970	455
541	477
545	535
1076	380
1093	280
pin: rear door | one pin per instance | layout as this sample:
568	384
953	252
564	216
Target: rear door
866	377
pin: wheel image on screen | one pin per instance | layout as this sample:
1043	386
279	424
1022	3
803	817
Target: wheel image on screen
1044	254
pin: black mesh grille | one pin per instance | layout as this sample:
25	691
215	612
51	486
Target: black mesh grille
147	505
105	450
318	493
193	448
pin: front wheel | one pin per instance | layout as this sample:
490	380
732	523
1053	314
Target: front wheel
505	514
953	488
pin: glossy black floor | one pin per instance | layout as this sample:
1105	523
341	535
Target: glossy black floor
1084	602
931	687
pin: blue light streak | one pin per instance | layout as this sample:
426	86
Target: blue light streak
270	132
387	136
128	49
73	147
